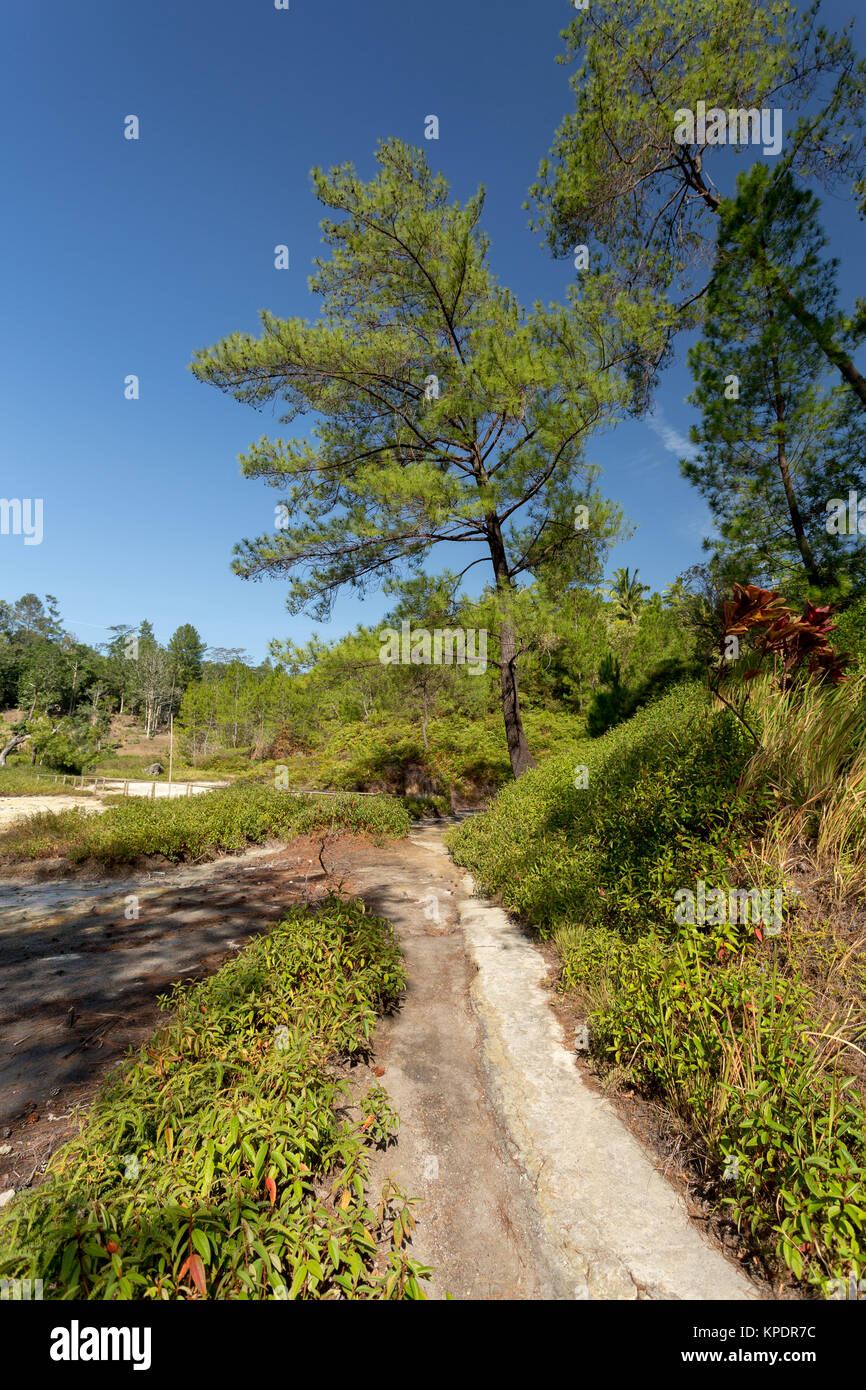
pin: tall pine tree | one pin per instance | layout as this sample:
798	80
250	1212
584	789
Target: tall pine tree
777	440
446	412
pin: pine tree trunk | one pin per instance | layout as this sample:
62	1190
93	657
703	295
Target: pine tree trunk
812	572
518	748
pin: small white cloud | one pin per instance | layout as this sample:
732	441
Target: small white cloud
674	442
698	526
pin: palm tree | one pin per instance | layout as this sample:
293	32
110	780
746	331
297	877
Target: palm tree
627	594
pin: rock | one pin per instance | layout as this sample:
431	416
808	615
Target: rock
5	1149
417	781
7	1196
155	770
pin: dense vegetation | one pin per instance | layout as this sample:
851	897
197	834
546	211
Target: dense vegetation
717	1020
335	716
218	1164
196	827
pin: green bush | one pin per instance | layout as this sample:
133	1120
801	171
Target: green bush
849	634
468	757
217	1164
661	809
186	828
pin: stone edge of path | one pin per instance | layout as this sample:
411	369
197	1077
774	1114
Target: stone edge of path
620	1229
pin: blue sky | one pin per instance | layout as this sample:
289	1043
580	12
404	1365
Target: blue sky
125	256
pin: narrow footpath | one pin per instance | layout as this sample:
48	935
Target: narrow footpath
529	1186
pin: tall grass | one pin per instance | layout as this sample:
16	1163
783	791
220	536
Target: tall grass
813	759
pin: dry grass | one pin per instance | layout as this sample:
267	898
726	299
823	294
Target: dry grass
813	756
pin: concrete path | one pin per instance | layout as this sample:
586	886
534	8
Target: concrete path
532	1186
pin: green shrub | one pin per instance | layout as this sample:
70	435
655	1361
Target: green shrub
186	828
466	756
217	1164
661	809
850	631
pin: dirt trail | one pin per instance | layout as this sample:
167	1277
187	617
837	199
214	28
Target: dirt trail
529	1185
83	961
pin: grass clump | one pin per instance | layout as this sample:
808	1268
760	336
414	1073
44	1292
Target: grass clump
813	759
217	1164
186	828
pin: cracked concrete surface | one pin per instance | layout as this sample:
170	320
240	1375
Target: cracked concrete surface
533	1187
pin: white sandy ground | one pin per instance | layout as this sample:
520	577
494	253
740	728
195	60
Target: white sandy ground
18	808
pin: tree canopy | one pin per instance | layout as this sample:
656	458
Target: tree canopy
620	181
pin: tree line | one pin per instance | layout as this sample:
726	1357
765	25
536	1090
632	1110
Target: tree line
594	653
64	692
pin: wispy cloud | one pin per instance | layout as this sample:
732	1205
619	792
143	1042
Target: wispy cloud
697	527
644	461
675	442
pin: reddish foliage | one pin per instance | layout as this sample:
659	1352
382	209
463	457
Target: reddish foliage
800	642
194	1266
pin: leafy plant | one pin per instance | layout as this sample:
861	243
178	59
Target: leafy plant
218	1164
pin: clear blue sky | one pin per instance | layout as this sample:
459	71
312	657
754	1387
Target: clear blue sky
124	257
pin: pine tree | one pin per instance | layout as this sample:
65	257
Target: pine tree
184	653
446	412
776	440
641	191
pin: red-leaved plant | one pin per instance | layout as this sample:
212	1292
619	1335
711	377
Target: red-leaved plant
799	644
